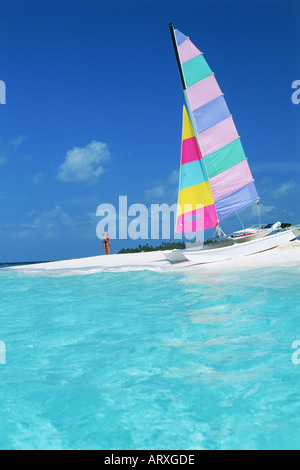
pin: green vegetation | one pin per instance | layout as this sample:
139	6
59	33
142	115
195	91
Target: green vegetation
144	248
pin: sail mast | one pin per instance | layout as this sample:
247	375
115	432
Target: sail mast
177	56
185	94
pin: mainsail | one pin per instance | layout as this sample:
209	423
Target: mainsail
215	178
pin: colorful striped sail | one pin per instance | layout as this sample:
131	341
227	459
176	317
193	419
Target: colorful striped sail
196	209
221	163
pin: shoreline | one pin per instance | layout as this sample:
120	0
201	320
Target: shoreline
287	254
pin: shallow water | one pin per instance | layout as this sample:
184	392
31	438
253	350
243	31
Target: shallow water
148	360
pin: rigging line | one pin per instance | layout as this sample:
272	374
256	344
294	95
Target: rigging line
259	213
243	226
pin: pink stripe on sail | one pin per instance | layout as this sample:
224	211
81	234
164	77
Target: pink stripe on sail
231	180
190	151
217	136
187	51
199	219
203	92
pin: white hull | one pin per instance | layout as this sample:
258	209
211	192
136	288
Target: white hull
255	236
212	254
175	256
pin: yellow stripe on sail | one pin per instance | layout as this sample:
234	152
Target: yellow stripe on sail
194	197
187	128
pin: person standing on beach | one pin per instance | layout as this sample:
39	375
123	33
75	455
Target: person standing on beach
107	244
104	244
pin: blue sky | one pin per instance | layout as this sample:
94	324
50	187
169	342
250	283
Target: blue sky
94	104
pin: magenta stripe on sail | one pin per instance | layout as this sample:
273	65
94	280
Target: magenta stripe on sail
230	180
190	151
203	92
217	136
197	220
187	51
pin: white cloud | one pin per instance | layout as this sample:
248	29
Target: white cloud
287	187
9	148
157	191
37	177
49	223
164	189
263	210
278	167
84	164
17	141
174	177
266	209
53	224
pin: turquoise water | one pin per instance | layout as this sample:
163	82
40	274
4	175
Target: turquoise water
149	360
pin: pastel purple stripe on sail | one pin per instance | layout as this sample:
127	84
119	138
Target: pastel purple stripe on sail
234	202
187	51
211	114
180	37
231	180
217	136
203	92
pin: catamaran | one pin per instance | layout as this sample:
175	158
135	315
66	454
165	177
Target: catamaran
215	178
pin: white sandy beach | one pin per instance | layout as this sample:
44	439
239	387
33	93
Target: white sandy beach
284	255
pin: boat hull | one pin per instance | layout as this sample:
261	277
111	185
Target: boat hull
252	237
212	255
175	256
296	230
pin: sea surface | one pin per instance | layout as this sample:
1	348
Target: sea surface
150	360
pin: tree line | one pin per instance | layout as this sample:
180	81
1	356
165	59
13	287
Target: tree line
147	247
